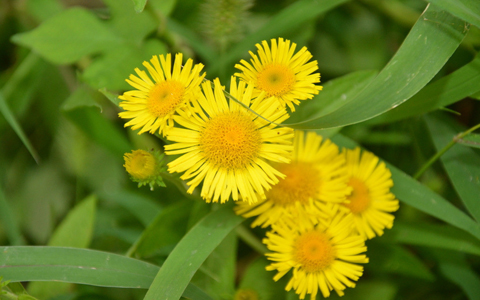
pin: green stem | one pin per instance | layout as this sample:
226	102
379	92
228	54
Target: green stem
445	149
250	239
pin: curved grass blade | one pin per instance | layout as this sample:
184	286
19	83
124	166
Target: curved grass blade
413	193
468	10
191	252
7	113
297	13
461	163
428	46
445	91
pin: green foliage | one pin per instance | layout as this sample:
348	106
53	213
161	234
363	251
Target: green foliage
75	227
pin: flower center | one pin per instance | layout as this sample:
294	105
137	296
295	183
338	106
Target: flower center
164	98
359	198
276	80
314	251
301	183
230	140
140	164
246	294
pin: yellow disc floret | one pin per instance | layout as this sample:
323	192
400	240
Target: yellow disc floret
314	251
164	97
140	164
276	80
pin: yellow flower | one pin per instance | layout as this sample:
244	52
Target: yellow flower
226	146
153	103
371	202
325	256
145	167
281	74
315	177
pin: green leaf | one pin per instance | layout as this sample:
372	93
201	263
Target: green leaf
68	36
139	5
470	140
334	94
83	266
7	113
391	258
455	267
434	235
9	222
468	10
435	36
165	230
144	208
256	278
413	193
299	12
191	252
461	163
80	108
445	91
76	231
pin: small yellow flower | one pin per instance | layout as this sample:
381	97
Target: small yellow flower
281	74
315	177
152	105
226	146
144	167
246	294
371	201
324	256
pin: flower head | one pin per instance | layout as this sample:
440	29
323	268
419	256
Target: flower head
315	178
280	73
145	167
152	105
226	145
371	201
325	256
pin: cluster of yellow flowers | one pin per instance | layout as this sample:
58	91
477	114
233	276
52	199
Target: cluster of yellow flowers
321	203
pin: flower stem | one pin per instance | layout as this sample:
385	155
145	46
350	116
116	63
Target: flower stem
445	149
250	239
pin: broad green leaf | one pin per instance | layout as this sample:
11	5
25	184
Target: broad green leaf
413	193
391	258
163	7
434	235
80	109
132	26
445	91
144	208
75	231
165	230
456	268
9	222
68	36
139	5
297	13
191	252
7	113
428	46
112	68
371	289
83	266
468	10
470	140
43	9
461	163
110	96
334	94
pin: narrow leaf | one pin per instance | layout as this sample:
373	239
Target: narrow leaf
191	252
428	46
445	91
413	193
434	235
7	113
468	10
9	222
139	5
461	163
